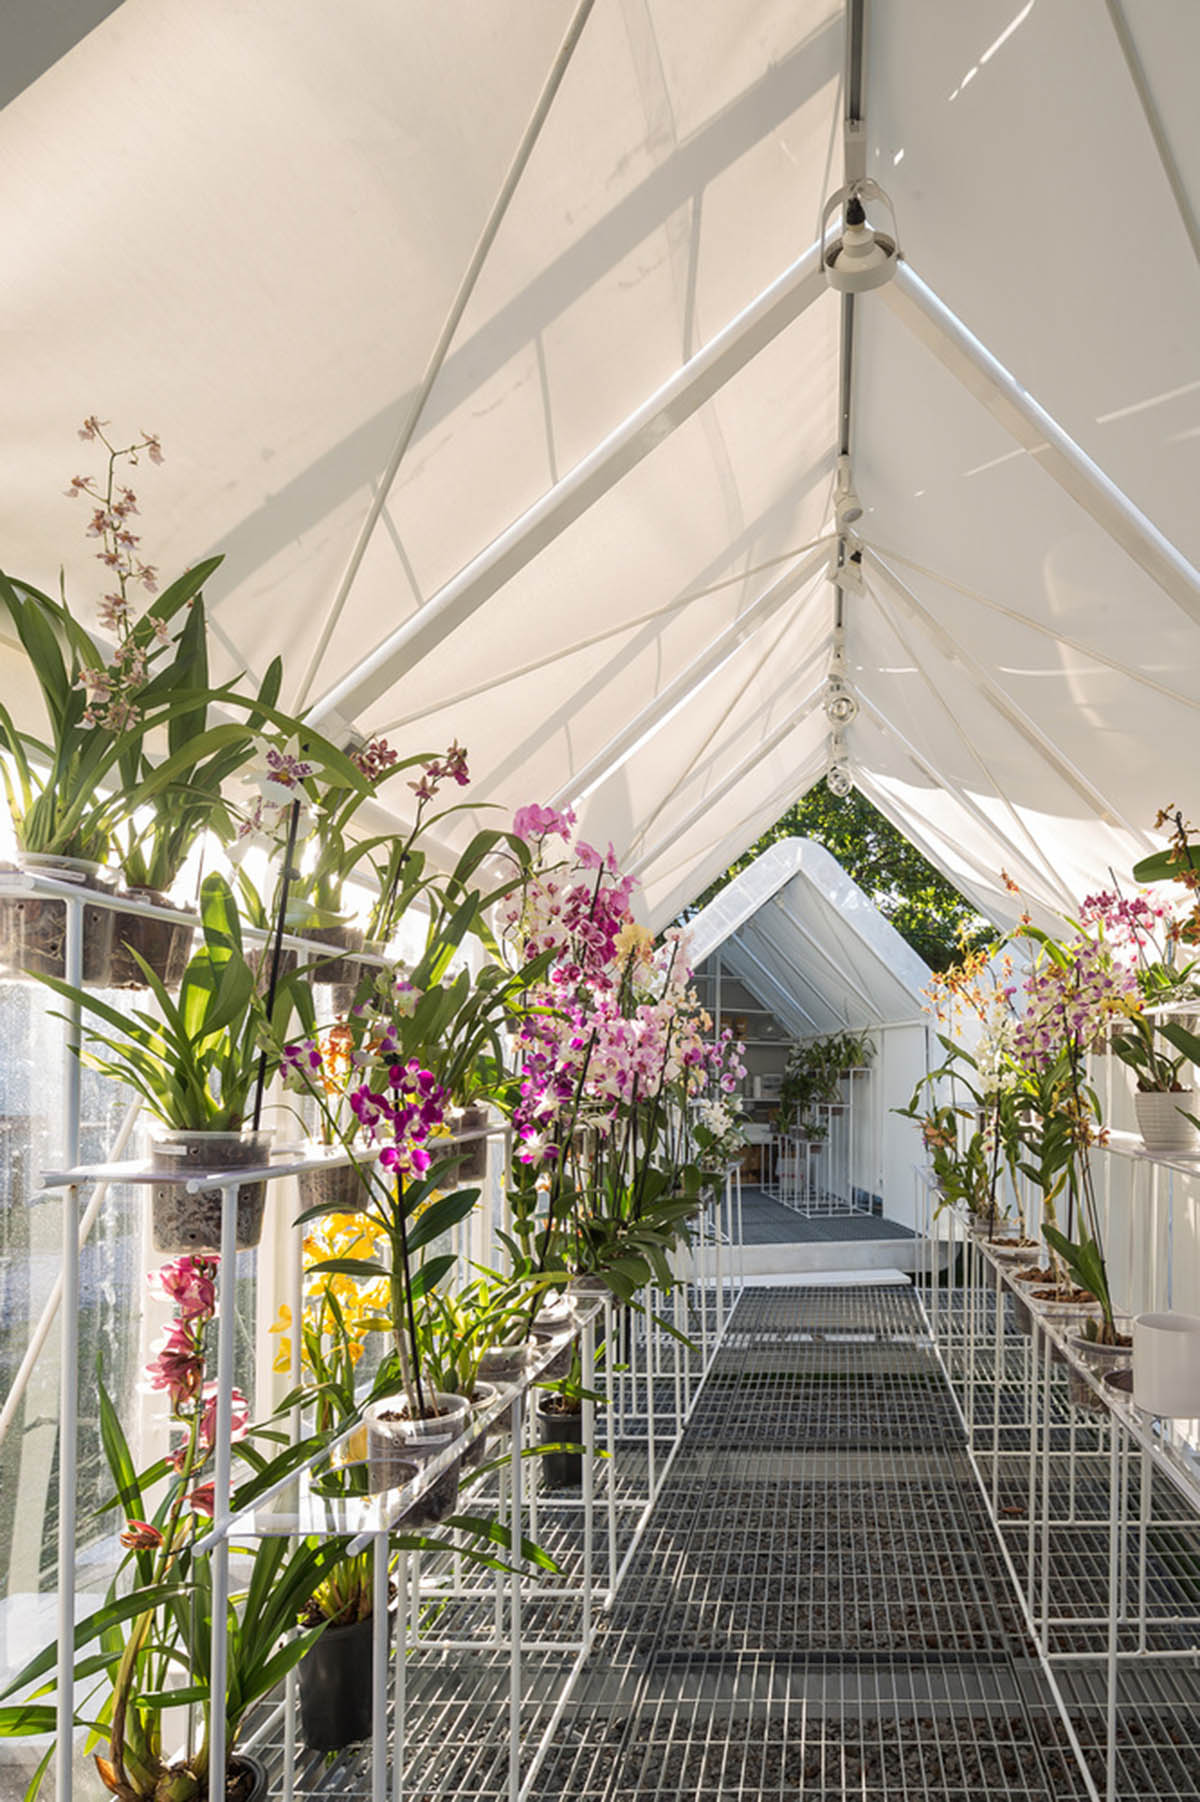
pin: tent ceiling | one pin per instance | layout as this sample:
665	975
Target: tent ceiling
246	228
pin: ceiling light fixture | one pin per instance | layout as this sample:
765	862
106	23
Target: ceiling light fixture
862	258
846	505
840	705
839	781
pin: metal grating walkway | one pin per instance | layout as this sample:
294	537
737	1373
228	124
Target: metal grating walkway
818	1609
766	1221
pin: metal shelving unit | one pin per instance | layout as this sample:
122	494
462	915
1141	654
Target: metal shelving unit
506	1654
1097	1506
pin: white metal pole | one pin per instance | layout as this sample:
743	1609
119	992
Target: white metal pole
588	1361
1114	1608
610	1480
400	1678
380	1653
695	383
68	1407
514	1623
932	321
227	1299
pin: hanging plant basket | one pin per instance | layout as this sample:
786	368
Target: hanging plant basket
33	928
334	1679
1163	1123
165	945
183	1222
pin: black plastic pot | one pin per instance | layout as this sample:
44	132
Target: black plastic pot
560	1470
335	1687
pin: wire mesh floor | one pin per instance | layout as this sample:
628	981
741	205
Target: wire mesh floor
818	1608
768	1221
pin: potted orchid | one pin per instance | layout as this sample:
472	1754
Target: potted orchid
398	1107
719	1130
987	1100
607	1058
1072	993
69	791
316	908
155	1624
200	1069
334	1674
1153	1036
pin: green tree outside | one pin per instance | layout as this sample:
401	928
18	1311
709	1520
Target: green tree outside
925	909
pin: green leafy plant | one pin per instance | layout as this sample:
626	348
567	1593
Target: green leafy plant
197	1064
65	792
1084	1260
183	793
148	1646
810	1079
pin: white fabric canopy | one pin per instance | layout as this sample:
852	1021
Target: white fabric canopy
246	227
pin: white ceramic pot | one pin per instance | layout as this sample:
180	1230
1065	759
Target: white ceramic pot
1166	1365
1163	1123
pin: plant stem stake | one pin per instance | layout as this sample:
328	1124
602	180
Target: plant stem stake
277	951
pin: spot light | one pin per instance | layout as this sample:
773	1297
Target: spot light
839	781
841	706
862	258
846	505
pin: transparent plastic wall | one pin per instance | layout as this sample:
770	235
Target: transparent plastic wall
119	1323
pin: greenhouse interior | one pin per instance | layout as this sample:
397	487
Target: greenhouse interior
523	1274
